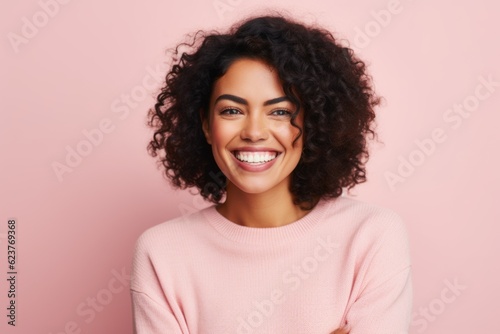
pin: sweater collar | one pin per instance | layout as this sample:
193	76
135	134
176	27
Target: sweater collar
266	235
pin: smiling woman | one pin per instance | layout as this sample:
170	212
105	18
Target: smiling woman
253	142
283	111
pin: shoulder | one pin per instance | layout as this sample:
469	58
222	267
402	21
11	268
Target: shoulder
365	222
170	235
374	234
159	249
356	210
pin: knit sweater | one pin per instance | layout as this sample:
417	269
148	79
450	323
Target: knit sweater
344	261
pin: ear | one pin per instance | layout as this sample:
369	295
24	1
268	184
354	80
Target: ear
205	127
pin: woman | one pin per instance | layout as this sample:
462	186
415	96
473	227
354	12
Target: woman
269	122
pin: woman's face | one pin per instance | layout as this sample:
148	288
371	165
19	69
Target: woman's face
249	128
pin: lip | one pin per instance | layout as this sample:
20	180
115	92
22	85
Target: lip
256	149
255	168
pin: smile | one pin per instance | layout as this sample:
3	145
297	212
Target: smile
255	158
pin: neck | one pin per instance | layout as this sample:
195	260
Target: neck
273	208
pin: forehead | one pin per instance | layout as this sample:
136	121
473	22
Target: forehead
251	79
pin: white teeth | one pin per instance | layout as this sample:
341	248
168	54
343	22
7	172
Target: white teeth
255	157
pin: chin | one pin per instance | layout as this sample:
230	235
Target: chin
255	186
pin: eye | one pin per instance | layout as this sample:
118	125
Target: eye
230	111
281	112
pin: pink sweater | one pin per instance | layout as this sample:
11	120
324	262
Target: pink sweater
345	261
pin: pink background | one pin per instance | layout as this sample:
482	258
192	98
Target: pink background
74	73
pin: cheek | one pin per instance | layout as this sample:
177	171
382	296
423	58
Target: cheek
221	133
287	134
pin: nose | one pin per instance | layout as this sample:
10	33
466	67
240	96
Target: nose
255	128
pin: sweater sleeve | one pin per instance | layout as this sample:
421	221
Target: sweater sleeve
383	302
150	317
152	313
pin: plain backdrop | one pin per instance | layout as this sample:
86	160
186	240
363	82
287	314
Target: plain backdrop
77	78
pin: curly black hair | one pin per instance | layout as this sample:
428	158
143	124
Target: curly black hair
318	73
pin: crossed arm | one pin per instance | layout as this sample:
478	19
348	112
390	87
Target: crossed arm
342	330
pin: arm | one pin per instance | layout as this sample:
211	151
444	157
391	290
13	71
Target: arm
152	312
342	330
383	293
150	317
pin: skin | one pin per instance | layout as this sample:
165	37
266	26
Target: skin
343	330
256	199
249	111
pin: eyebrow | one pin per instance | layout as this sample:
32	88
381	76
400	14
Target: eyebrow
240	100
